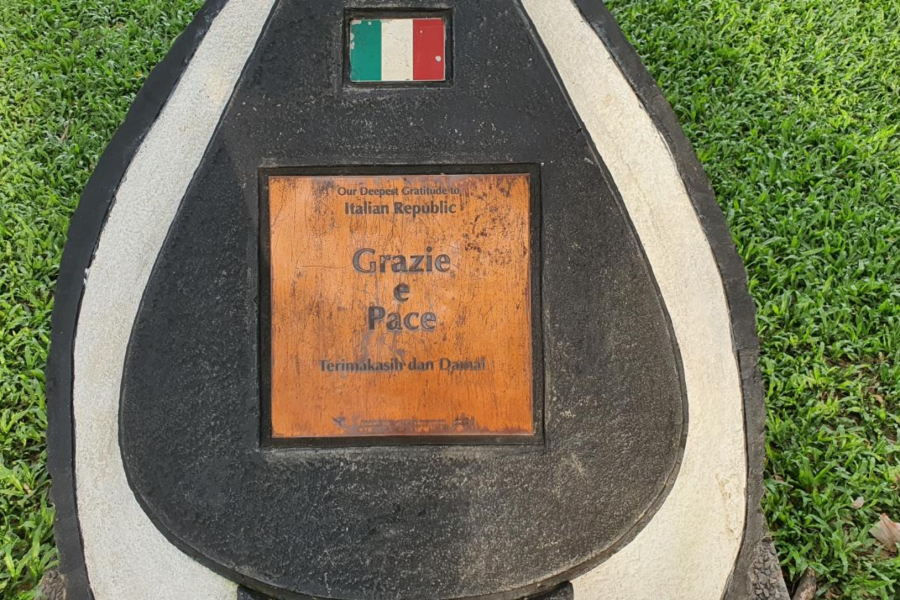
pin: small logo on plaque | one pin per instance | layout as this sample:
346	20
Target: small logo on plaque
398	50
400	305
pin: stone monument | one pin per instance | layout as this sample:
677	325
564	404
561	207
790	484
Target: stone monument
380	300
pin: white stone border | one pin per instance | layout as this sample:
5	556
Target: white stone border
688	549
126	556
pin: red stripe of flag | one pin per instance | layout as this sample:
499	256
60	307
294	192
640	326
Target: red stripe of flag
429	42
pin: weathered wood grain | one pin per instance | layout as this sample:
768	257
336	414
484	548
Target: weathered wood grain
470	304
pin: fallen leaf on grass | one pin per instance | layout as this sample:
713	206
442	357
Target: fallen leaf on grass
858	503
887	532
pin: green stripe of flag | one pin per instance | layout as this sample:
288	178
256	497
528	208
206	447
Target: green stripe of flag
365	50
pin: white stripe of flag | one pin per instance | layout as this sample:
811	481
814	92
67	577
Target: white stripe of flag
397	49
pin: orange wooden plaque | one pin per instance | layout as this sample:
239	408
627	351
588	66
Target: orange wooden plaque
400	305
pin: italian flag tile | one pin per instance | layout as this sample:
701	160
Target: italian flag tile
398	50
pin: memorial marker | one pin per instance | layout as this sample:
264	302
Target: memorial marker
380	301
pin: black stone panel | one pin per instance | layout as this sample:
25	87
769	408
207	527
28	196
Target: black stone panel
428	522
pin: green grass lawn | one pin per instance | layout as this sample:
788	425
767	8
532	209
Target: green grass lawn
793	107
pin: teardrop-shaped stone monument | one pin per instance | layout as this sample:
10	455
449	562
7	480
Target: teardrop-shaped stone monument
372	300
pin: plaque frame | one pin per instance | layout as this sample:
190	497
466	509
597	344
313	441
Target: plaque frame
266	438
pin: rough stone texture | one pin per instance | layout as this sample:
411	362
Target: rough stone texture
245	594
563	592
53	586
765	575
806	588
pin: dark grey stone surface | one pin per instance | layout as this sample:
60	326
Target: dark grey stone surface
245	594
767	582
563	592
806	588
52	586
